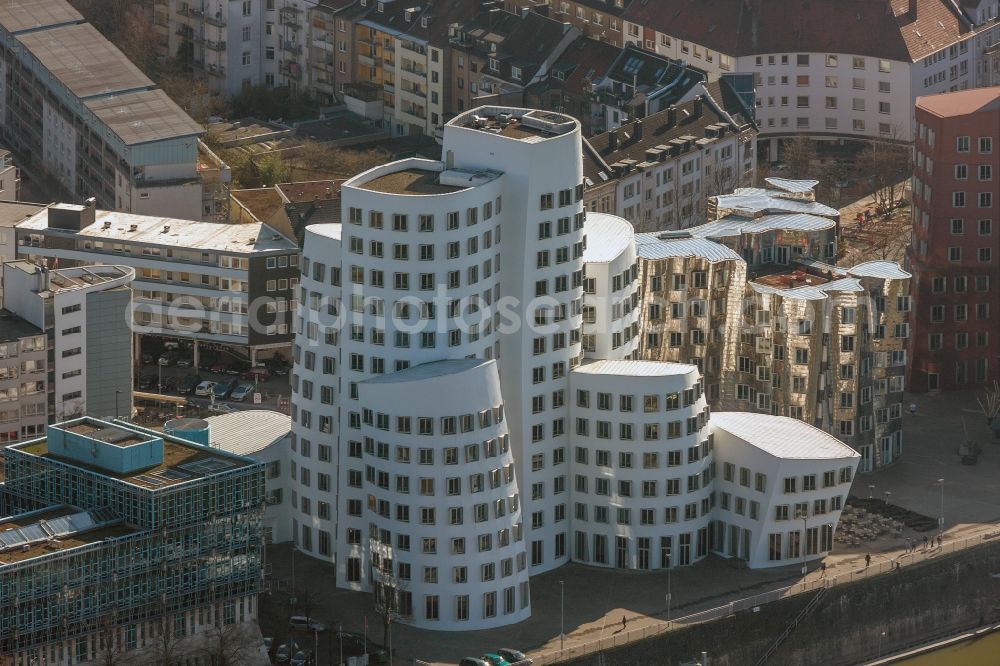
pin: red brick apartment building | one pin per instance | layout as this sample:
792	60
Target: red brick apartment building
954	253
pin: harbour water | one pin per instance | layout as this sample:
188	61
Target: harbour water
984	651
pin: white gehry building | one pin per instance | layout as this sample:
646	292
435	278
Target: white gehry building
468	408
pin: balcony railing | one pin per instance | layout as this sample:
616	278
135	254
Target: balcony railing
219	21
291	47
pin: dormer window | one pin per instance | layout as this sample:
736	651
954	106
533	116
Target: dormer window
494	64
515	73
381	7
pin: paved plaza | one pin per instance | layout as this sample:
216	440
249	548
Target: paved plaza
595	600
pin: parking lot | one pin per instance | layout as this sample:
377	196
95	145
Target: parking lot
170	372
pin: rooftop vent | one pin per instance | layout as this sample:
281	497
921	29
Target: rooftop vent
133	227
166	228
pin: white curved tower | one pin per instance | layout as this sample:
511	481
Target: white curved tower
540	296
642	465
443	510
610	289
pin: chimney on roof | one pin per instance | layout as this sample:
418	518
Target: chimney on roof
637	130
613	140
913	9
671	116
698	102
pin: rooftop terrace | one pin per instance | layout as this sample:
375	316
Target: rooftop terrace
516	123
182	462
409	181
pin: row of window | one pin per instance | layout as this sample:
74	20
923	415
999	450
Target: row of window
935	341
426	222
830	60
961	312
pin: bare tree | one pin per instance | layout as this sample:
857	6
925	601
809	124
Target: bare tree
228	644
799	154
109	640
884	166
168	641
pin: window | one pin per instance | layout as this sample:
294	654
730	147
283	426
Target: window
962	144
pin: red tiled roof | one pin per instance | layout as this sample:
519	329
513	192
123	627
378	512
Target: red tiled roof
961	103
857	27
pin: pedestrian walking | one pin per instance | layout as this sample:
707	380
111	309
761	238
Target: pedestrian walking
868	560
822	568
624	623
913	409
925	543
939	540
908	544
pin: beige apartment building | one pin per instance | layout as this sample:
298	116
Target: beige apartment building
750	299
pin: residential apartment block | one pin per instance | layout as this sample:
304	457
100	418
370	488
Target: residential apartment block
749	299
229	285
659	171
954	253
24	395
73	105
864	65
122	548
469	410
86	315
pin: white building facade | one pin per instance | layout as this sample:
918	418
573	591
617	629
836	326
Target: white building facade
450	430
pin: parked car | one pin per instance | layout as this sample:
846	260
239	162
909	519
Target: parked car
277	367
204	389
241	392
269	646
188	384
185	362
515	657
494	659
282	654
169	358
148	382
472	661
303	623
259	373
168	384
147	358
223	389
300	659
236	367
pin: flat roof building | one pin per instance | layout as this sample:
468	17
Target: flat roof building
77	107
109	482
209	282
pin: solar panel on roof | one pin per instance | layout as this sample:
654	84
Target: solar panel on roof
207	466
172	474
150	480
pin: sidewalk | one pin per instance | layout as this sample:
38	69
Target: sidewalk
841	570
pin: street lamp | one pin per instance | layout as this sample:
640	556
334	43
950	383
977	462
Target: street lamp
887	494
871	490
941	518
804	515
562	614
669	593
117	393
879	653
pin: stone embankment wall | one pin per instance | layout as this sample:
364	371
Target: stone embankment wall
912	605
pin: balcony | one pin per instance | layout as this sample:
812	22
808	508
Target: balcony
290	47
190	11
214	46
291	69
219	21
216	70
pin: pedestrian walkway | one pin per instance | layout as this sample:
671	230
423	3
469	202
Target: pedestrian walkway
840	570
